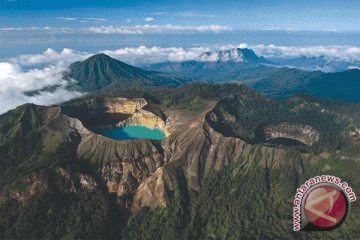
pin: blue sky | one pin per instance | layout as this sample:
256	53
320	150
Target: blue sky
298	15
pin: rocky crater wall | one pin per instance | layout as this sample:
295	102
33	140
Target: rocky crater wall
302	133
142	170
111	113
146	119
124	105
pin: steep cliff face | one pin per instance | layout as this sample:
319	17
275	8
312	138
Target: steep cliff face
146	119
123	105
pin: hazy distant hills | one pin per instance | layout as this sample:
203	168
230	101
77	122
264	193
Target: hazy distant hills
245	67
322	63
214	72
286	82
103	72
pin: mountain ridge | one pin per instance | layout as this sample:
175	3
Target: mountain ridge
288	81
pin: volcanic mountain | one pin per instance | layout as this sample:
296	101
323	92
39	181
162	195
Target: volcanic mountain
103	72
242	55
219	66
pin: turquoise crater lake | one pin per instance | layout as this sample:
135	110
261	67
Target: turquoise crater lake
135	132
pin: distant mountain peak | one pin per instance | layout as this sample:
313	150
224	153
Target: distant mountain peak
101	71
243	55
100	55
101	58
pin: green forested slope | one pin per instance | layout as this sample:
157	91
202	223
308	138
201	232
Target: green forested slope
235	204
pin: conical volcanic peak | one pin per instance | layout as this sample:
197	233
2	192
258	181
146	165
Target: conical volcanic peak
99	57
101	71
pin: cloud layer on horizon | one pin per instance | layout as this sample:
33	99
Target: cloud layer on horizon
344	53
14	82
50	56
45	69
148	55
143	55
138	29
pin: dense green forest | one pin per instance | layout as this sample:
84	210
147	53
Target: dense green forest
232	204
80	215
55	213
173	96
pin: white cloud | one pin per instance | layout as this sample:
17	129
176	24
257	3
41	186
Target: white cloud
13	76
31	29
174	29
342	53
329	30
195	14
67	18
12	29
145	55
149	19
11	99
50	56
138	29
14	82
117	30
97	19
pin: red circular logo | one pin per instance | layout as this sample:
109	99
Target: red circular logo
325	206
